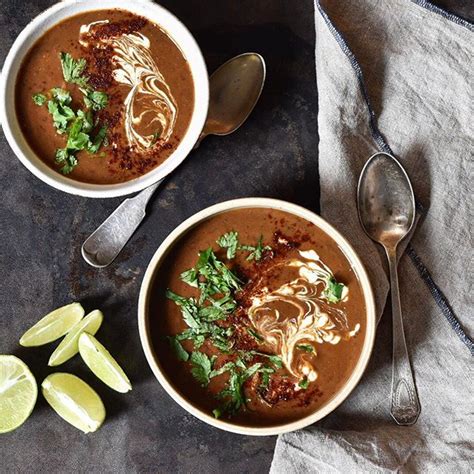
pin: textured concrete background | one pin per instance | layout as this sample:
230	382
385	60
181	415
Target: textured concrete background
274	154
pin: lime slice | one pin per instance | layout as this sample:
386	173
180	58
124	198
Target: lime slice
68	346
53	326
74	401
102	364
18	392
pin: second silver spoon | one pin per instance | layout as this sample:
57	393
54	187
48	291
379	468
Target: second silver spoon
386	206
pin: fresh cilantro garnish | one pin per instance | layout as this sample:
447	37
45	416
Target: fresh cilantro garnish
77	125
229	241
333	291
217	309
73	69
200	327
226	367
39	99
95	100
303	383
256	253
211	276
305	347
87	119
190	277
78	139
274	359
61	96
233	394
62	114
96	142
202	367
189	308
178	349
205	315
67	159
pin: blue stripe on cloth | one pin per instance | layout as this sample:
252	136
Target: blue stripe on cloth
445	14
437	294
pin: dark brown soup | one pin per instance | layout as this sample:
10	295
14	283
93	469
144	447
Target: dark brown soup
266	325
104	96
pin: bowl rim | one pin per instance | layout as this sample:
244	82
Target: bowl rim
60	11
299	211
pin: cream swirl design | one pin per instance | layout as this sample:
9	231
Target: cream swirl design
150	108
297	313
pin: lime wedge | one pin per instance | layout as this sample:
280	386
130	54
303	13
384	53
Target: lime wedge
74	401
53	326
18	392
102	364
68	346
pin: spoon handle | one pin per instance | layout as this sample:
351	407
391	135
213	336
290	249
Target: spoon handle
405	407
107	241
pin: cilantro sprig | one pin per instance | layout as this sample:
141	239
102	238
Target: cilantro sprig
230	242
73	70
333	292
205	317
79	125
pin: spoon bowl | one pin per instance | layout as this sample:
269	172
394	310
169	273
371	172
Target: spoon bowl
235	88
386	202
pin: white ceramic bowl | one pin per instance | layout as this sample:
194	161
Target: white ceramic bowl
185	227
155	13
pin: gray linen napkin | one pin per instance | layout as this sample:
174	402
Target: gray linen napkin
397	76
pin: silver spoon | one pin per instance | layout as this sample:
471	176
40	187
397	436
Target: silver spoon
386	206
234	90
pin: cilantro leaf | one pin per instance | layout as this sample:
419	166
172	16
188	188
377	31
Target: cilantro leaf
256	253
62	115
333	291
61	96
233	394
67	159
73	69
226	367
178	349
189	309
229	241
274	359
303	383
305	347
39	99
202	367
77	139
87	120
94	145
95	100
190	277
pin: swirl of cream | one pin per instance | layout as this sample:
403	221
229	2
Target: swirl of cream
307	318
149	101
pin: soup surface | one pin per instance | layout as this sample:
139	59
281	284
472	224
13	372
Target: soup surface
257	316
104	96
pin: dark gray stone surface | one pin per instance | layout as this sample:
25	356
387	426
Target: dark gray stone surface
41	230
